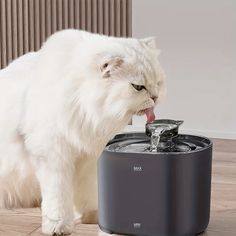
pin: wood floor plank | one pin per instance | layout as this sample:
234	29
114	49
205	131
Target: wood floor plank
19	221
224	145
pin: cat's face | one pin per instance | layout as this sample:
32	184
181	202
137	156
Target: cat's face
129	79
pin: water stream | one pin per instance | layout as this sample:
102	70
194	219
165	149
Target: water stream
155	138
156	132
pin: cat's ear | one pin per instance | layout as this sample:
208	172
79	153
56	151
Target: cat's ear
150	42
110	66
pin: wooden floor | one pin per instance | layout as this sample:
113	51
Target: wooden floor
21	222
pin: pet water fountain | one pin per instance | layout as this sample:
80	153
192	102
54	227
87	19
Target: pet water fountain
156	183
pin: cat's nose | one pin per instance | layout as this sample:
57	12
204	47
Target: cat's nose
154	98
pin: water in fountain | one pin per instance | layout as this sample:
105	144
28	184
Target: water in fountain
163	138
156	135
153	145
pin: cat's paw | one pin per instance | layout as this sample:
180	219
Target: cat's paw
57	227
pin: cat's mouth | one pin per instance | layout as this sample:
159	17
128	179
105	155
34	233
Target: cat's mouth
141	112
149	114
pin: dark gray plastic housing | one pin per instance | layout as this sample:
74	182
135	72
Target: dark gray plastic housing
155	194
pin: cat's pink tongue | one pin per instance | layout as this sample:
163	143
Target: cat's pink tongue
150	114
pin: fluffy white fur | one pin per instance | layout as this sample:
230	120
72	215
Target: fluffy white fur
58	109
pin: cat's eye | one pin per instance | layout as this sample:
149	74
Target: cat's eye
105	65
138	87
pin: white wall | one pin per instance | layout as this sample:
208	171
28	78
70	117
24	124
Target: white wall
198	44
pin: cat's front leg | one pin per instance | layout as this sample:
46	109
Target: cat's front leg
55	177
85	190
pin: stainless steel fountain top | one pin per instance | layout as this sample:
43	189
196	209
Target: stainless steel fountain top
161	136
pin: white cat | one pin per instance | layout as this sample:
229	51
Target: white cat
58	109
